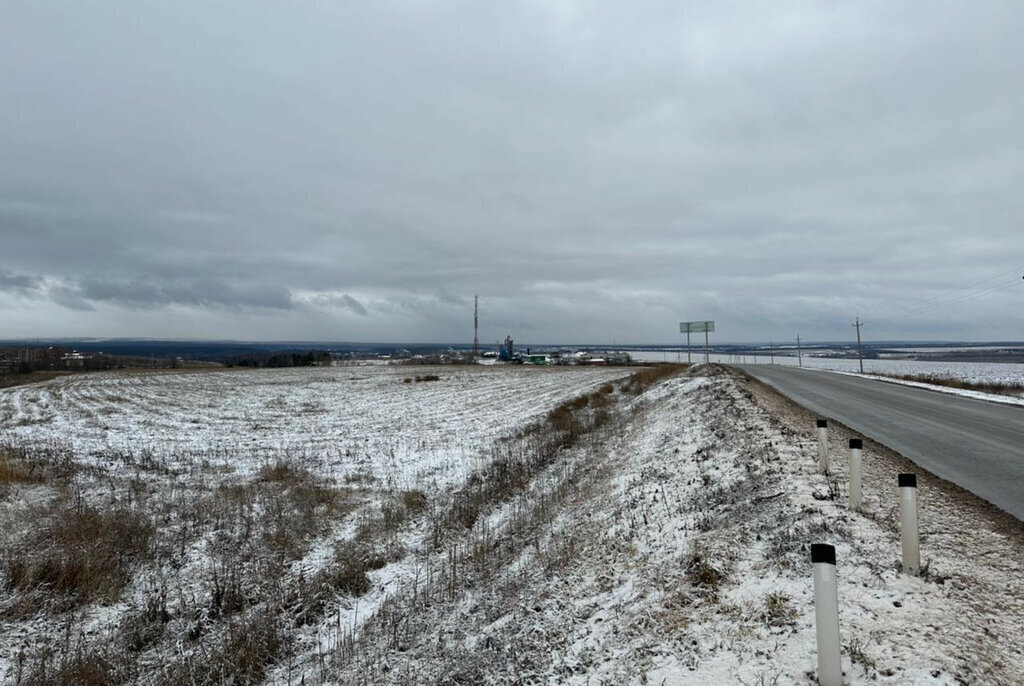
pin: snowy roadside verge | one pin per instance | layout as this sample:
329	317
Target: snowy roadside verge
685	559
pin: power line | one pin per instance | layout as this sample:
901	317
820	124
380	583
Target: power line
955	296
963	298
959	293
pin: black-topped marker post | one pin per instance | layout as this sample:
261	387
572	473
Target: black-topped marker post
823	446
826	614
908	531
856	455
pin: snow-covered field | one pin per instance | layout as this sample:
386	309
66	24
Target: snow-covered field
647	535
345	420
975	372
221	462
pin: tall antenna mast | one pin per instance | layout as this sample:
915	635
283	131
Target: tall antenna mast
476	326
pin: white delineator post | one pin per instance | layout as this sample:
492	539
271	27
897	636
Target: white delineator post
856	455
908	531
823	446
826	614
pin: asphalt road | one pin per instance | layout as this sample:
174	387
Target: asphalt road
975	444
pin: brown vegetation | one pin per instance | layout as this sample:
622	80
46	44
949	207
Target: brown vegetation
1012	389
639	382
82	554
11	380
421	378
14	470
241	657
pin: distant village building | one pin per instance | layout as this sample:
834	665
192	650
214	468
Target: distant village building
73	360
594	358
618	357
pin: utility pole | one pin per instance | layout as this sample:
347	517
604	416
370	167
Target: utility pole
476	327
860	357
799	356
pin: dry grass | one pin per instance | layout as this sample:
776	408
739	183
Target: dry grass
143	627
1011	389
14	470
79	667
778	610
413	501
82	554
421	378
639	382
307	599
395	511
11	380
704	576
51	464
787	538
284	507
240	658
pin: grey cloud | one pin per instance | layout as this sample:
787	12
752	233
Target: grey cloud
338	301
354	305
19	283
69	298
452	299
201	293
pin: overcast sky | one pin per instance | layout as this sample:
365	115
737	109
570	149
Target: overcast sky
595	171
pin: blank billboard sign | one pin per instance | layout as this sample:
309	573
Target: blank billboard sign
696	327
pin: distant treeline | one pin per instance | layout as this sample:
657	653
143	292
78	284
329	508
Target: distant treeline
53	358
186	350
29	360
295	358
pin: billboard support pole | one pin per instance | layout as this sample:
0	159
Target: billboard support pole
696	327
